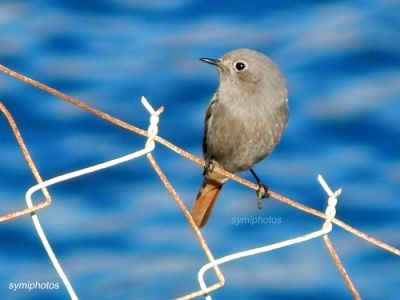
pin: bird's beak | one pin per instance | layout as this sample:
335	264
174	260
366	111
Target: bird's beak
211	61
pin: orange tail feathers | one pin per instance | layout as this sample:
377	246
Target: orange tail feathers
205	201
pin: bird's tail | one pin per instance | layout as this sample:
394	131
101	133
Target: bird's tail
206	199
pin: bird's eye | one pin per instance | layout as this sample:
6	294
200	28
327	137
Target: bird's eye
240	66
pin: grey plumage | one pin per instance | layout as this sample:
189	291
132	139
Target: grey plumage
244	121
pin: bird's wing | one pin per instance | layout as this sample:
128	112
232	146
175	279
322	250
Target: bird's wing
207	121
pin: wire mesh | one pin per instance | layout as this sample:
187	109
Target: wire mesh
152	137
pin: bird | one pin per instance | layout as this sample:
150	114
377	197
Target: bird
244	121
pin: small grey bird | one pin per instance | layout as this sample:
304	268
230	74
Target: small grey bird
244	121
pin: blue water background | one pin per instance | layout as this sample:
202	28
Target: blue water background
117	233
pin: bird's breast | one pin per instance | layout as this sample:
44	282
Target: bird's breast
241	133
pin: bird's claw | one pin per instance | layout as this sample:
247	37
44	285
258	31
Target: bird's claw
262	193
209	167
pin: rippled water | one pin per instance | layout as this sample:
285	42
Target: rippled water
117	233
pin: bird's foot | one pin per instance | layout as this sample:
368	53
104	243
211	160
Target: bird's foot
209	167
262	193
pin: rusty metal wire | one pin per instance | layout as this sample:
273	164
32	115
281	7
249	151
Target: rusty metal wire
341	268
31	166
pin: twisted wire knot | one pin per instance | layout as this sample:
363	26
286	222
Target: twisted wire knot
154	119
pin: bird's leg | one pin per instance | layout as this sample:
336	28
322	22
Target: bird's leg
209	167
262	191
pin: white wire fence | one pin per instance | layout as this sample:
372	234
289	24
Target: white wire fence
152	138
